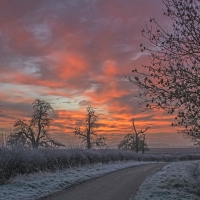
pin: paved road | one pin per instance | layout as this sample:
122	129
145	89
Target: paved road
119	185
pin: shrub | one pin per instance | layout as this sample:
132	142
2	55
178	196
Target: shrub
25	161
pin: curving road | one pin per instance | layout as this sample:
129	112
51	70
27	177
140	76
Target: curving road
119	185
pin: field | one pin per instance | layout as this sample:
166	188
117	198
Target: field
173	150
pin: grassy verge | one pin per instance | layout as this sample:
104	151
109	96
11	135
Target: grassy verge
179	180
20	161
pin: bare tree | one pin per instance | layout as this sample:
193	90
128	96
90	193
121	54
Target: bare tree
143	145
134	141
172	80
34	133
128	143
139	137
89	136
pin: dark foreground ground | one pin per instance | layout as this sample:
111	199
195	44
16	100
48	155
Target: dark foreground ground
119	185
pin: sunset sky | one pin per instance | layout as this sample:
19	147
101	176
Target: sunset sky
73	53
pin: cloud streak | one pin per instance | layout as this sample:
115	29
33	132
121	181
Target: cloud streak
74	53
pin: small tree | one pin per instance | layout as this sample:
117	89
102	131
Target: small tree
34	133
128	143
172	80
89	136
134	141
142	143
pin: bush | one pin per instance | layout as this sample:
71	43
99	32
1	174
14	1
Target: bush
25	161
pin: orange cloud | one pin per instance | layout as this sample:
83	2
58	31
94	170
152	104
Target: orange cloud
110	91
70	65
79	52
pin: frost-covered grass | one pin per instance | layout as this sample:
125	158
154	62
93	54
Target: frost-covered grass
177	181
30	174
36	185
20	161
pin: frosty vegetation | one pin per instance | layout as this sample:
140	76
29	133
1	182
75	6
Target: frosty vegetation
175	181
42	184
25	161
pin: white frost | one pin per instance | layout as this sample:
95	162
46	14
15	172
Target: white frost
176	181
33	186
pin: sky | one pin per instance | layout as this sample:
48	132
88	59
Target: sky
75	53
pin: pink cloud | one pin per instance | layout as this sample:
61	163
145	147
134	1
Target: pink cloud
79	51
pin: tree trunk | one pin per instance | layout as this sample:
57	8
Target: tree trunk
88	133
35	145
143	148
88	140
136	143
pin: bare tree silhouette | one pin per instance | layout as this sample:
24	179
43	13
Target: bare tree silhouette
134	141
172	81
89	136
34	133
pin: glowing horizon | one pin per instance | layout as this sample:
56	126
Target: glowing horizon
72	54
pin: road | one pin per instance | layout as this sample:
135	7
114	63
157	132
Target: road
119	185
